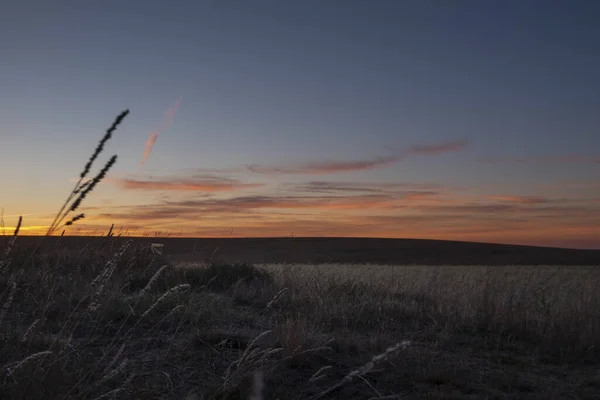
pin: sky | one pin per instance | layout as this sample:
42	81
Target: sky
462	120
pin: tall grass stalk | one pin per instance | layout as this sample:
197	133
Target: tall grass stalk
82	188
5	259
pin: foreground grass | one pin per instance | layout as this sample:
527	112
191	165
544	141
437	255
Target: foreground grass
117	321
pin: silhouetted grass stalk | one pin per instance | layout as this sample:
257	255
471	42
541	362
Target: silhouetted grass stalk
5	260
82	189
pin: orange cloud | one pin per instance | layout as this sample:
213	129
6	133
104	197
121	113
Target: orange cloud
348	208
388	206
184	184
232	206
409	214
368	216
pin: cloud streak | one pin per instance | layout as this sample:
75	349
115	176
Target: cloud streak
327	167
566	159
497	207
270	205
330	167
149	145
201	184
169	115
440	148
520	199
366	187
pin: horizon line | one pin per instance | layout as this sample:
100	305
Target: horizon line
309	237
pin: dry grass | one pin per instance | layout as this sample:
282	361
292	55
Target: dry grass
296	332
555	307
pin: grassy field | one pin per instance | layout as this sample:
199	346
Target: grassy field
303	250
114	320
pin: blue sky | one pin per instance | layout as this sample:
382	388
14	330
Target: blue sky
483	105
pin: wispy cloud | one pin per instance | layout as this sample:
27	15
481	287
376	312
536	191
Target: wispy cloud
565	159
149	145
554	210
178	184
520	199
366	187
235	205
327	167
495	207
169	115
439	148
402	193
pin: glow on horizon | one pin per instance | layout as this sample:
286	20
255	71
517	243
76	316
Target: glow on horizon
384	210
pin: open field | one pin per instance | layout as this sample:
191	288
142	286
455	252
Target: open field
346	250
105	318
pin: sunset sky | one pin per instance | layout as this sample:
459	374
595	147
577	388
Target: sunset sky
460	120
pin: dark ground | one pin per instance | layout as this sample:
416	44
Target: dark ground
347	250
518	333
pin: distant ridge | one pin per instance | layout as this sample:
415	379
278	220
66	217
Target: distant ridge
350	250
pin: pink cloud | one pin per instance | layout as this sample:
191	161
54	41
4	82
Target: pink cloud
169	115
149	145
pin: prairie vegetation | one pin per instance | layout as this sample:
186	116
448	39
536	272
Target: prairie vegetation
156	329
